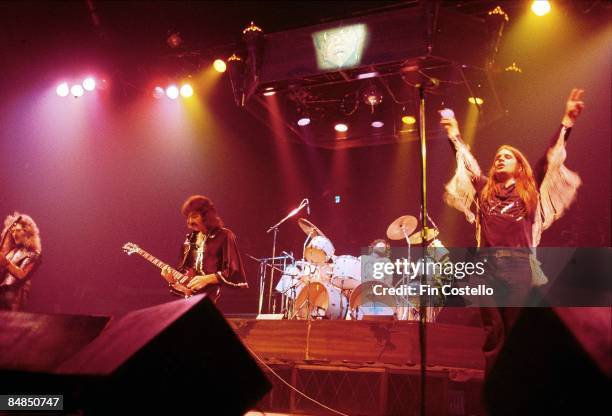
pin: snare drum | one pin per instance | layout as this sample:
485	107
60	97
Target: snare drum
319	250
365	302
346	272
321	301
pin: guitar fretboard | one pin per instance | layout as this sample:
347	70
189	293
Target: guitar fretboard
151	258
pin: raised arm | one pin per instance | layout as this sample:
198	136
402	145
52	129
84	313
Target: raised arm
460	192
558	185
555	153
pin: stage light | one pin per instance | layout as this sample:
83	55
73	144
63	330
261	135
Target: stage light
219	65
367	75
372	95
172	92
89	84
408	120
304	121
341	127
76	90
269	91
475	100
158	92
377	124
62	89
540	7
186	91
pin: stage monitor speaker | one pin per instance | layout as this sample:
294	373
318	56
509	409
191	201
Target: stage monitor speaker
181	356
554	362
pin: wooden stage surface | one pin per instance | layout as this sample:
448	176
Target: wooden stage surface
393	343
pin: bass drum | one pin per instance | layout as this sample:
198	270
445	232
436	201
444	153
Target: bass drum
365	303
320	301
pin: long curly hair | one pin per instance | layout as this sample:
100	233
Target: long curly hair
32	234
525	181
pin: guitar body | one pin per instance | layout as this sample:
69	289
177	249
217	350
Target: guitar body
180	288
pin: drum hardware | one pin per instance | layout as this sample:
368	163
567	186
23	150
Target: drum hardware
275	228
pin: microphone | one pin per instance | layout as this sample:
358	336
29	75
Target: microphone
307	206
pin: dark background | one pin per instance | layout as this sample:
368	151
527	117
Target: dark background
102	170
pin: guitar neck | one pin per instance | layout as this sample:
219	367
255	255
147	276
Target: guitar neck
157	262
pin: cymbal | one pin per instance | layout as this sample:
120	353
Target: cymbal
309	228
395	231
431	234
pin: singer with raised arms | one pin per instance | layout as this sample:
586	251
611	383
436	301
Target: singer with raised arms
209	252
514	204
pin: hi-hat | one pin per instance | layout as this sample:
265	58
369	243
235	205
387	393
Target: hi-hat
401	227
429	235
309	228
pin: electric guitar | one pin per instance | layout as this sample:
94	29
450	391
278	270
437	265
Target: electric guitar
181	280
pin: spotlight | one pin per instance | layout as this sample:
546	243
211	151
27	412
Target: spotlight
377	124
186	91
367	75
89	84
174	40
219	65
304	121
158	92
172	92
475	100
62	89
408	120
371	95
76	90
540	7
269	91
341	127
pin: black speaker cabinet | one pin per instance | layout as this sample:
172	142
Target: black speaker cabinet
181	356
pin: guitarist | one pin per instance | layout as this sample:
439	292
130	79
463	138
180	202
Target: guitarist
210	251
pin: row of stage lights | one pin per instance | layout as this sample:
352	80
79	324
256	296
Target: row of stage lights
77	89
408	120
343	127
172	91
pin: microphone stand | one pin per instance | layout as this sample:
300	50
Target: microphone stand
275	229
424	234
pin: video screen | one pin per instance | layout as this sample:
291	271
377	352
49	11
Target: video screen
340	47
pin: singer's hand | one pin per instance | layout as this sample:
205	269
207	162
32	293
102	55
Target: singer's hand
450	124
573	107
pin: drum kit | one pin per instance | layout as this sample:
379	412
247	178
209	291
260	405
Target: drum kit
323	285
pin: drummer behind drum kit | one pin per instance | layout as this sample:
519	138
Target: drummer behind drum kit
325	286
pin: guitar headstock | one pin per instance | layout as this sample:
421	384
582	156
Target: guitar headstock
131	248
